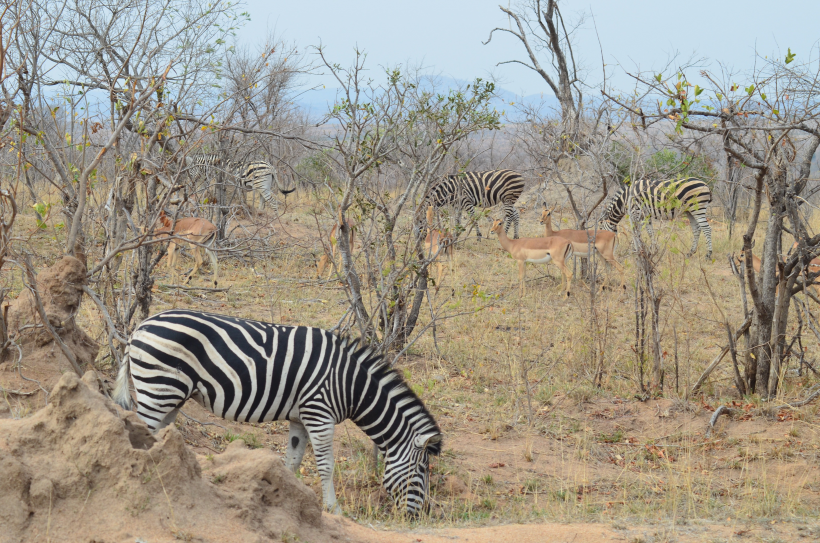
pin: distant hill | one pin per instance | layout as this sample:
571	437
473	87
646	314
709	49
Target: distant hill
317	101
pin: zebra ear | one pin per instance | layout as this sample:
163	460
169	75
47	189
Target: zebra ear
425	440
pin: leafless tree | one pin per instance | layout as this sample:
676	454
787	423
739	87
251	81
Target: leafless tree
402	123
541	29
771	126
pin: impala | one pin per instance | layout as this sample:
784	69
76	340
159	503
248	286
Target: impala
199	233
436	242
539	250
323	262
603	241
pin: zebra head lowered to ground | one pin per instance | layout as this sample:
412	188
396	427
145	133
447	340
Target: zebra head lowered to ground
251	371
663	200
469	190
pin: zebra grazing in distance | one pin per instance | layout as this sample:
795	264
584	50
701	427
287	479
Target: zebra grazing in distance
256	175
252	371
468	190
663	200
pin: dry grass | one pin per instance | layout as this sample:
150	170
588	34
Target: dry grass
555	447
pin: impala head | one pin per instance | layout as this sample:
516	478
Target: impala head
546	214
497	227
407	470
164	220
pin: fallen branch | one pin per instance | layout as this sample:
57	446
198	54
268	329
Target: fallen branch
722	410
195	288
187	416
17	392
813	394
713	364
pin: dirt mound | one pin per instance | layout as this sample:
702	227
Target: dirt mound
61	291
80	469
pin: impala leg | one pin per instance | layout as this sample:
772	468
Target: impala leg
522	268
172	260
438	275
323	261
214	264
566	274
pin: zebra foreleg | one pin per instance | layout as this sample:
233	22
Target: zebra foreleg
297	442
470	210
321	437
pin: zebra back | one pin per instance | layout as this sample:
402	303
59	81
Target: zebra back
667	199
660	199
480	189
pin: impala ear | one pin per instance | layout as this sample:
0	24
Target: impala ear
426	440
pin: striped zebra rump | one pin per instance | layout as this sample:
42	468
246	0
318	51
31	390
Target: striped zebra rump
261	176
664	200
256	175
252	371
468	190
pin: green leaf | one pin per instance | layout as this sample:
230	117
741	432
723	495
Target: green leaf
719	96
698	90
658	77
763	95
790	56
775	112
750	89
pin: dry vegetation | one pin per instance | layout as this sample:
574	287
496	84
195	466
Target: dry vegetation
528	436
554	409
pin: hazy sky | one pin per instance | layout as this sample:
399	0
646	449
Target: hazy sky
446	35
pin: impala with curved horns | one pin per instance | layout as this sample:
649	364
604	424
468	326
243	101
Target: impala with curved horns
539	250
603	241
199	233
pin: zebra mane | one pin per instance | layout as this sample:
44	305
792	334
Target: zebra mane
380	370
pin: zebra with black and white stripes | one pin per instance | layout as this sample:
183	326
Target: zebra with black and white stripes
663	200
256	175
468	190
252	371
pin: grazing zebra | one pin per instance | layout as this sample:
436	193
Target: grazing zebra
252	371
664	200
256	175
468	190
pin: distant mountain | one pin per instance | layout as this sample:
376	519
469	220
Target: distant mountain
318	101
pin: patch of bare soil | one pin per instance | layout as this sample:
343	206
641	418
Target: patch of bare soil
80	469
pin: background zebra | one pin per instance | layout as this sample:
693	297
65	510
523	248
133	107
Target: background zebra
468	190
665	200
256	175
252	371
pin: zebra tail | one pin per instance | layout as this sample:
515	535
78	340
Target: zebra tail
122	396
287	191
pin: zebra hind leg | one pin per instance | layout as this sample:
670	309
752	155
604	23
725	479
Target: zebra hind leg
511	217
696	227
297	441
